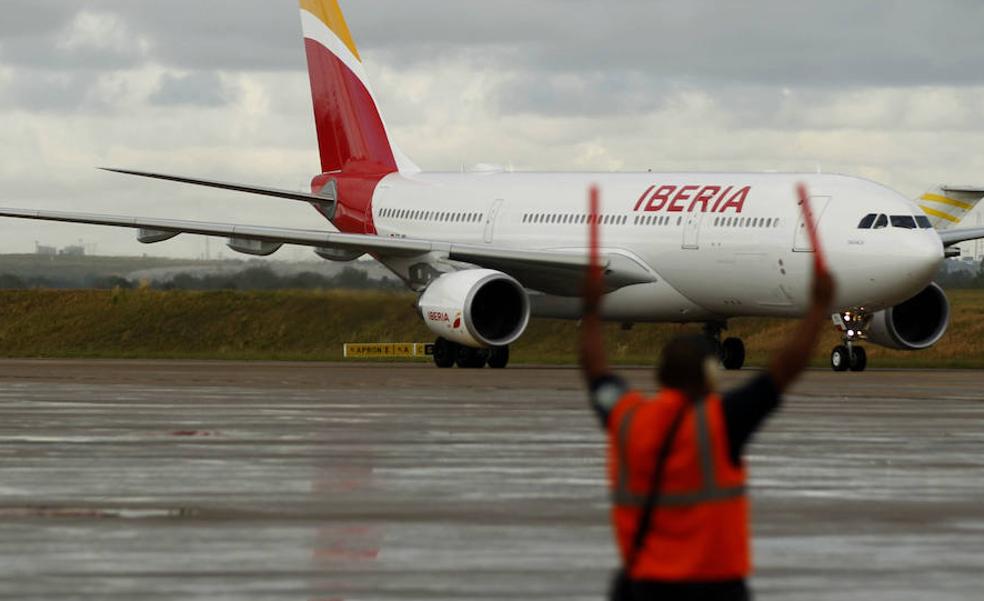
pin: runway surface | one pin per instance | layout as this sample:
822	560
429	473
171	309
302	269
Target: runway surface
176	480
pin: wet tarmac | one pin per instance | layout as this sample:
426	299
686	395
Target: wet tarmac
175	480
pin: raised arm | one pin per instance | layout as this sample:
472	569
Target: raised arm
795	355
593	360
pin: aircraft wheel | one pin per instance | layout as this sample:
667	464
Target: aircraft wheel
445	353
499	357
733	354
840	358
859	359
471	358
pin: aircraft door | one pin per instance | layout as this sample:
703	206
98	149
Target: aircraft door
691	230
490	220
801	243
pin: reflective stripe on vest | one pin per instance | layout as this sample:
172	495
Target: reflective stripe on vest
623	496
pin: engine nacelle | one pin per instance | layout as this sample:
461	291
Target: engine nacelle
916	324
479	308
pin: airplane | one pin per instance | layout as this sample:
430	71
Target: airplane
487	251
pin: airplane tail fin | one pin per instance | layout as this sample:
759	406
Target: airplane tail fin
352	136
946	206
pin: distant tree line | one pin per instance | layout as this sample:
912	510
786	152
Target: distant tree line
254	278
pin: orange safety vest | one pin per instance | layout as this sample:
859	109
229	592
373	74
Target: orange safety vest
699	528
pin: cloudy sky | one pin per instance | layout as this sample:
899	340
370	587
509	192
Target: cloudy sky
891	90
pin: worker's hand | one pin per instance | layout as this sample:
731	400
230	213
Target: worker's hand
824	288
593	289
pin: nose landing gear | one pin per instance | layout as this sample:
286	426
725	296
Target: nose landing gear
850	355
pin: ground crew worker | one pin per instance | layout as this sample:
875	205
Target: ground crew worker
696	546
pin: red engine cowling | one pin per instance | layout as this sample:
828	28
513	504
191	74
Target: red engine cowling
914	325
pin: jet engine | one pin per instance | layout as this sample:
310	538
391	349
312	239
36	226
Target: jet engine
916	324
479	308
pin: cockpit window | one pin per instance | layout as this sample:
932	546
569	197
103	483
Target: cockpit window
923	222
881	222
907	222
867	221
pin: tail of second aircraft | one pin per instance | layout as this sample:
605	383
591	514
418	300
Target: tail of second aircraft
352	136
946	206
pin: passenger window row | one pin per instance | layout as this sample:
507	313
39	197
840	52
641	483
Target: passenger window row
656	220
747	222
442	216
579	219
874	221
572	219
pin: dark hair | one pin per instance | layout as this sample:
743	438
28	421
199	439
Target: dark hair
682	364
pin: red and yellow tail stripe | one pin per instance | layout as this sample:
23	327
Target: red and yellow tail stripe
947	206
330	14
323	22
351	129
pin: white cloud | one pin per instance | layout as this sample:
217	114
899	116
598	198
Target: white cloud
101	32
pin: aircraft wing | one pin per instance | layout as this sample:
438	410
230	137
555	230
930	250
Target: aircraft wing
553	272
951	237
172	227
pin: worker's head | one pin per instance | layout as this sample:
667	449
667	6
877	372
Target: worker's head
690	364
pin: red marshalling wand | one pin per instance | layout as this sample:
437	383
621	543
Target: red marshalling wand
819	261
594	236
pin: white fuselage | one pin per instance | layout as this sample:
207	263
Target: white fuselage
719	245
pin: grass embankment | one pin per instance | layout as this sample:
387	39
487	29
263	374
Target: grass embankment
314	325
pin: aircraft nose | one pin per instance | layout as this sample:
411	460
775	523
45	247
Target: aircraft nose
925	256
913	262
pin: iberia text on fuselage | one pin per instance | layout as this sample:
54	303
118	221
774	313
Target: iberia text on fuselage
693	199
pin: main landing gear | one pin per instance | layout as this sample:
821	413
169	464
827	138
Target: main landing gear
851	356
731	350
447	354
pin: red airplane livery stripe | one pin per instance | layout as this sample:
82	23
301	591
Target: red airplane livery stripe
693	199
355	150
350	129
